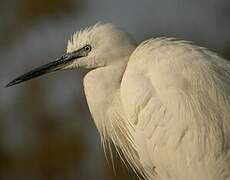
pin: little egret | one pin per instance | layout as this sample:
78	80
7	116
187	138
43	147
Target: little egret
164	104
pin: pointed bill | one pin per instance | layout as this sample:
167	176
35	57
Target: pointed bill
59	64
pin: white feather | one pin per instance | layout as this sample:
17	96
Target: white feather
164	104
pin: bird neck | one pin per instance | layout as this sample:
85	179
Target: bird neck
102	90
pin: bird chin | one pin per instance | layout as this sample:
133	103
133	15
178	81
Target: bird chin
74	65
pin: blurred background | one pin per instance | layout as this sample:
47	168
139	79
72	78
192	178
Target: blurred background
46	132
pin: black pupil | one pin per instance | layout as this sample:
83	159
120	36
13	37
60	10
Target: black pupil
87	48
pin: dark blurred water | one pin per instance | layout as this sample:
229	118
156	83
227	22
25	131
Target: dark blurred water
45	126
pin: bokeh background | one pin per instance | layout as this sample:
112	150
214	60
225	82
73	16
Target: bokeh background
46	132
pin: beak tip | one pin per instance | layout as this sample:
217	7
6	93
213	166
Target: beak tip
10	84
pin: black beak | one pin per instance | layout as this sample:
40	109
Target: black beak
60	63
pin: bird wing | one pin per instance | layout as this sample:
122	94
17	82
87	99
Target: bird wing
176	97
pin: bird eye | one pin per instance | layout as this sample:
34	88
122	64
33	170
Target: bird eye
87	48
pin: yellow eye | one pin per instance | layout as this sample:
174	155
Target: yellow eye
87	48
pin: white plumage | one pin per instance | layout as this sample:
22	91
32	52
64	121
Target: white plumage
164	103
167	100
177	95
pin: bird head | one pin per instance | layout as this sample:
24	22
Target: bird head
94	47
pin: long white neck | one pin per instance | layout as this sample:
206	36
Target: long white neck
102	90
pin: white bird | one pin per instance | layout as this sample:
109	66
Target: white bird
164	104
